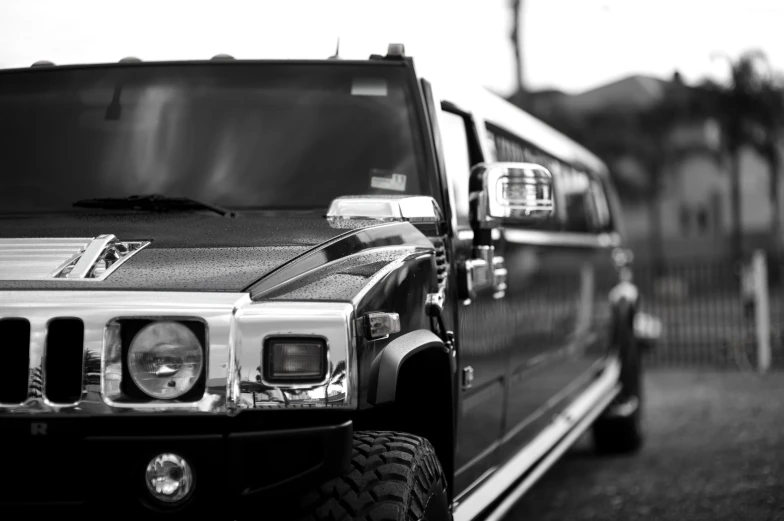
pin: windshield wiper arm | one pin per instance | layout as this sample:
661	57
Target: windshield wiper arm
154	202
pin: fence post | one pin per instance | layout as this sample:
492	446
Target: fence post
761	310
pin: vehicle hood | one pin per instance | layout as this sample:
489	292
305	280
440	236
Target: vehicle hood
188	251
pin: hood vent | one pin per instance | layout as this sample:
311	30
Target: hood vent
64	259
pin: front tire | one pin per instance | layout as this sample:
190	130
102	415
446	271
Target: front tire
394	477
620	429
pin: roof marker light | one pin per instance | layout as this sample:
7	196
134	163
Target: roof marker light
42	63
397	50
222	57
131	59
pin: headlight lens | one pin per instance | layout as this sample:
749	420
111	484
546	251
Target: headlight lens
165	360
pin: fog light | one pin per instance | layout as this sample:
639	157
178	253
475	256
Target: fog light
295	360
169	478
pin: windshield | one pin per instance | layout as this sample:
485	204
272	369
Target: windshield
263	135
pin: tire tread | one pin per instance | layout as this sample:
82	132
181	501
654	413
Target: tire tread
388	481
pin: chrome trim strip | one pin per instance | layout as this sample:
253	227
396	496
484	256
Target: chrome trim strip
401	234
470	488
479	457
575	385
543	238
370	251
552	457
578	415
413	253
90	256
233	372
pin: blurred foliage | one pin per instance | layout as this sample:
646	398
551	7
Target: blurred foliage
749	111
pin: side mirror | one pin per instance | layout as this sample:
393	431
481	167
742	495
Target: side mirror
502	193
511	193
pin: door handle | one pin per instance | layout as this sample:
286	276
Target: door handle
473	277
485	270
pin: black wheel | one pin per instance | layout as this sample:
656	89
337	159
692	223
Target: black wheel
394	477
620	429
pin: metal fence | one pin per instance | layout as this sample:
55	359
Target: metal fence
708	314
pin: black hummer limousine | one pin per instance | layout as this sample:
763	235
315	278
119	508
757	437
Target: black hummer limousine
299	289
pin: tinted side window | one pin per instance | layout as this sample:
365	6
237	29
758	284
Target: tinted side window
575	187
587	209
457	159
603	214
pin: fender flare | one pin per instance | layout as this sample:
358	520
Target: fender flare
386	366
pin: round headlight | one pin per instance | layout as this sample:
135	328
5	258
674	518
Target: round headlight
165	360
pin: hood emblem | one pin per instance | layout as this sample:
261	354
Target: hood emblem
64	258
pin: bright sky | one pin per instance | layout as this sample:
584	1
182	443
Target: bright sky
568	44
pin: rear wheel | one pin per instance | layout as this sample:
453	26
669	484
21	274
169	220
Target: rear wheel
620	429
394	477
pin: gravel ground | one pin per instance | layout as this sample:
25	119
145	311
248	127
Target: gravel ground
714	451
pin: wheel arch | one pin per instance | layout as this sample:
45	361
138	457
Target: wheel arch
411	386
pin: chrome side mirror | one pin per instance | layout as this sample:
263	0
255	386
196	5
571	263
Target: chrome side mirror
511	193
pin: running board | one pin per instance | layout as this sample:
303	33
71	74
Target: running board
565	429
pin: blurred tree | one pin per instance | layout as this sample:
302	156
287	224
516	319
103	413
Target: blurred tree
641	135
771	119
750	111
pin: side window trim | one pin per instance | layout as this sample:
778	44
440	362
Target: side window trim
474	146
430	108
458	160
475	156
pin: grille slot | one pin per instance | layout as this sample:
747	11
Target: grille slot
15	338
442	263
63	361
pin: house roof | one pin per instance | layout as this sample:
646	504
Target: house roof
636	91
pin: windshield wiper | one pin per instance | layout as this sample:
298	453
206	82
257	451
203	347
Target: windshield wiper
152	202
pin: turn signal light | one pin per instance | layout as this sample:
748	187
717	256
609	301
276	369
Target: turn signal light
295	360
381	325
